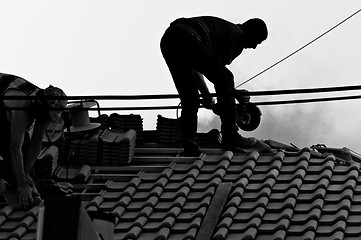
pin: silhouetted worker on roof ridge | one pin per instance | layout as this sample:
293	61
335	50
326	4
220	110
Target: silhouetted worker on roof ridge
16	145
197	46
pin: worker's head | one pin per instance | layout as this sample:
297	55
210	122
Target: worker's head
255	30
50	95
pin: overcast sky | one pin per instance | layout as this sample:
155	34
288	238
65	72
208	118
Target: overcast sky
112	48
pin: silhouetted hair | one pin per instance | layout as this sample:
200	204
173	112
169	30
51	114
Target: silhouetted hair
54	91
256	28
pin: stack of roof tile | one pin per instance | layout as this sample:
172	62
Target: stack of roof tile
127	122
211	138
103	119
110	147
44	165
169	130
46	162
83	149
116	147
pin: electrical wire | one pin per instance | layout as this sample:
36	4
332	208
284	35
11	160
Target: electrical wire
281	102
173	96
304	46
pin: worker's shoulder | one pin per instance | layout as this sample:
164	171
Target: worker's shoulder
13	102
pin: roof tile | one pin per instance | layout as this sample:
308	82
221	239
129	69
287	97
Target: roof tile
338	188
353	232
183	226
187	216
181	176
241	182
311	196
290	193
230	212
234	202
276	206
335	197
118	211
251	205
18	233
271	216
247	215
249	233
310	187
335	207
271	227
206	177
210	168
275	195
194	205
308	235
300	218
221	233
275	235
300	229
256	193
330	230
331	218
287	177
253	223
133	233
305	206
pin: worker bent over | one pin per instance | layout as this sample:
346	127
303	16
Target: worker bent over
203	46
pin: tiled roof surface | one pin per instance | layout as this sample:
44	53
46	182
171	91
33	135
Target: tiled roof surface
302	194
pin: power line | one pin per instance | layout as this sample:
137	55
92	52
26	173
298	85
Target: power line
309	100
170	96
281	102
305	90
304	46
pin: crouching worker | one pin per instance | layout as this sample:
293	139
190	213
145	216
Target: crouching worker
203	46
18	150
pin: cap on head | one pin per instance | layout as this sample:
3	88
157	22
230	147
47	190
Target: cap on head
256	28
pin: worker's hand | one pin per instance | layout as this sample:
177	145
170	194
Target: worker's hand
25	196
242	96
28	196
207	102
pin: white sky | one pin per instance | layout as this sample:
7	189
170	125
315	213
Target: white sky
112	48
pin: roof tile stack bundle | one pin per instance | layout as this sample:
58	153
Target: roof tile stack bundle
46	162
116	147
169	130
127	122
103	119
213	137
84	150
44	165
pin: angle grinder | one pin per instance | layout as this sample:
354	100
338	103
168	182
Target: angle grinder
248	114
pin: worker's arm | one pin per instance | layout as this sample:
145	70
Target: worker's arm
35	146
18	126
242	96
207	99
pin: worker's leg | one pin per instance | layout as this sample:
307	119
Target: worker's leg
184	78
207	63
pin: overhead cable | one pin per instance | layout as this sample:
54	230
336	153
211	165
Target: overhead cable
170	96
304	46
281	102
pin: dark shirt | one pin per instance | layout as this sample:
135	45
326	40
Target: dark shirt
8	82
223	38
